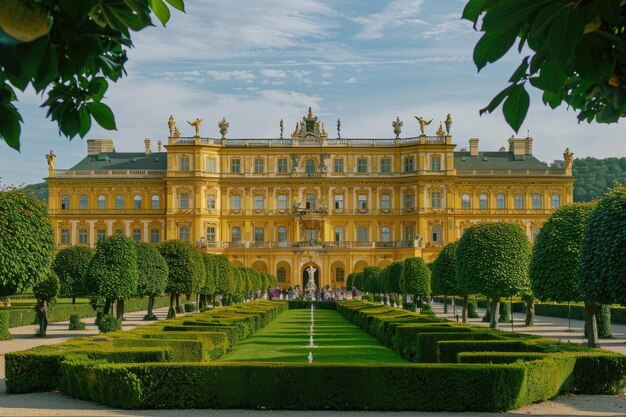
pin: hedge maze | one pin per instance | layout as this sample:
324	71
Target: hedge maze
457	367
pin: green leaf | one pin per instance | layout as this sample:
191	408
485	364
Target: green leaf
180	5
495	102
516	106
103	115
520	72
472	10
551	78
161	11
85	121
491	47
97	87
10	127
565	32
594	60
507	16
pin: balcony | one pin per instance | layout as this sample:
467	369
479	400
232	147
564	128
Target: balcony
114	173
314	244
511	172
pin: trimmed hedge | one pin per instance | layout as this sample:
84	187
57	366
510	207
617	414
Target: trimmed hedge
321	305
231	332
4	326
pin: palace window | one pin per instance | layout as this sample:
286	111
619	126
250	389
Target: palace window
282	201
339	234
210	165
235	202
183	200
436	230
435	163
259	234
385	234
235	166
282	166
435	199
235	235
466	203
518	202
310	201
210	201
385	202
309	166
338	166
339	274
500	201
361	165
137	235
82	236
183	233
155	236
385	166
361	234
82	202
362	202
282	234
408	233
310	235
408	164
65	236
258	166
536	201
65	202
119	202
408	201
184	163
281	274
259	202
536	232
210	234
119	231
338	201
483	202
137	202
556	201
102	202
101	234
156	202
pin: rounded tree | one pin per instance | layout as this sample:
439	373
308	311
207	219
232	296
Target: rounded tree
603	259
46	293
415	278
493	260
350	280
444	277
371	276
153	273
224	276
25	229
112	272
185	271
359	281
392	278
210	278
70	265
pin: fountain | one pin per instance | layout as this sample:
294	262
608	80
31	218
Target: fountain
310	357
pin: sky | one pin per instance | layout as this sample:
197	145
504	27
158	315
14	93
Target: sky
255	63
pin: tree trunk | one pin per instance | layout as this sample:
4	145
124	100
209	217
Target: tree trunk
150	305
179	309
73	299
171	312
495	309
120	310
445	304
107	306
197	303
530	310
591	326
465	305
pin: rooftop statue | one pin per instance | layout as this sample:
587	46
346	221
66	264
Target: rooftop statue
51	158
223	125
448	123
440	131
397	126
568	157
282	128
423	123
171	123
338	129
196	124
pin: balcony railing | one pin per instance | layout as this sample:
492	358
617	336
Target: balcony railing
295	245
299	142
509	172
122	173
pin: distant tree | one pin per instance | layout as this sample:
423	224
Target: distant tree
603	260
112	272
493	260
70	265
210	279
46	293
38	190
444	276
370	279
27	244
153	274
185	271
415	278
594	176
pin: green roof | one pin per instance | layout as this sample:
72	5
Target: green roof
496	160
123	160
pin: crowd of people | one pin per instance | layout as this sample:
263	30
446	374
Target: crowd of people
325	293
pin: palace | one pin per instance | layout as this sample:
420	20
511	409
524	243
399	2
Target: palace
282	205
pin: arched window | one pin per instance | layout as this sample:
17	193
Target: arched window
183	233
536	201
281	274
137	202
282	234
385	234
156	202
309	166
436	233
536	232
362	234
339	274
310	201
235	235
518	201
500	201
65	202
119	202
339	234
137	235
82	202
385	201
483	202
556	201
102	202
465	201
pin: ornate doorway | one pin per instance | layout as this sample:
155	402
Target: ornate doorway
305	275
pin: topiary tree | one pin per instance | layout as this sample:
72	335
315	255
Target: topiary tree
603	259
224	277
210	279
371	276
350	280
26	241
70	265
113	273
493	260
46	293
444	277
359	281
392	281
415	278
152	274
185	271
555	263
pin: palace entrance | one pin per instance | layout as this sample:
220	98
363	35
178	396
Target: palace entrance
305	275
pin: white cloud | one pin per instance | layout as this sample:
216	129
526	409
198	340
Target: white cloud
272	73
395	14
351	80
230	75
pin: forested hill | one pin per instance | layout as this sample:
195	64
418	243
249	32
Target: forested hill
593	177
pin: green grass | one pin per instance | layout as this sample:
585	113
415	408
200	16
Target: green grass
286	339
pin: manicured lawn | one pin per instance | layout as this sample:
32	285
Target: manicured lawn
286	339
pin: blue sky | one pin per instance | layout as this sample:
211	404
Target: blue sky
254	62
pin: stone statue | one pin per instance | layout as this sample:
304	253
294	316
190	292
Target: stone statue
171	123
423	123
567	156
310	285
196	124
294	163
223	125
448	123
440	131
338	129
176	132
397	126
282	128
51	158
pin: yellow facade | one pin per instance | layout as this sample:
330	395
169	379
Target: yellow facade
281	205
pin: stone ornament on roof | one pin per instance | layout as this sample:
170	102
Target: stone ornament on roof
196	124
568	157
397	126
423	123
223	125
171	124
309	127
448	124
440	131
51	158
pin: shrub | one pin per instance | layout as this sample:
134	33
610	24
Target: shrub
603	317
76	323
472	311
505	313
70	265
4	325
108	323
189	307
